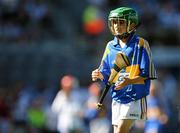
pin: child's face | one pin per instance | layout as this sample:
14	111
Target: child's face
119	26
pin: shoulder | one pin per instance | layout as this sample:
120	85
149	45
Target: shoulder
108	48
143	42
110	44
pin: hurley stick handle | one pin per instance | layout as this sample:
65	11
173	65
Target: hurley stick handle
106	89
121	61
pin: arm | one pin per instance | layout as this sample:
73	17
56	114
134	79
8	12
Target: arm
103	71
127	81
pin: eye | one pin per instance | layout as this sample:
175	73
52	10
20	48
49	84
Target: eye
115	21
121	22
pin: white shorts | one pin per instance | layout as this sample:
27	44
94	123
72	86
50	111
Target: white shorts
135	110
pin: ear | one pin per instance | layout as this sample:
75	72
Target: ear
132	26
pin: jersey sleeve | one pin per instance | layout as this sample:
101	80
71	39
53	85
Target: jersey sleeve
104	67
146	65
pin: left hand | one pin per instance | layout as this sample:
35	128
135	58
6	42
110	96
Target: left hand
126	81
99	106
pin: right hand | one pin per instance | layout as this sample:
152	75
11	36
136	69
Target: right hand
96	74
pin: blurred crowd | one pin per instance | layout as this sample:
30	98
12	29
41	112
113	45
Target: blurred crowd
71	108
66	109
24	19
34	19
63	37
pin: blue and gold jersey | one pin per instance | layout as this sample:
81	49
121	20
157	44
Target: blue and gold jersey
138	54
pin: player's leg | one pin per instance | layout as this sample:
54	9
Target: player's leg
123	126
123	115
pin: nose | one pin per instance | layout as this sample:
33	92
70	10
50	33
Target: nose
116	26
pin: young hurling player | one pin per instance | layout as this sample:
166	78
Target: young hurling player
130	89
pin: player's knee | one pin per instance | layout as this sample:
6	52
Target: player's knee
120	129
123	127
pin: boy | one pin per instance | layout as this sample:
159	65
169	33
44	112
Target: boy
131	85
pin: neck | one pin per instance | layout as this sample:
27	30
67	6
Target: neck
124	40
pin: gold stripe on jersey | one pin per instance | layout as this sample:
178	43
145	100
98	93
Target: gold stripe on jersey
141	42
106	52
145	44
134	70
143	105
